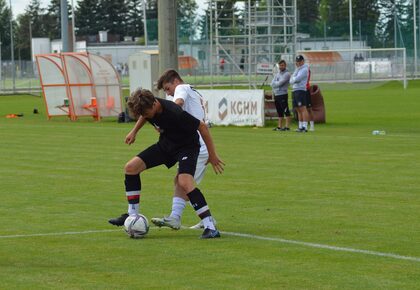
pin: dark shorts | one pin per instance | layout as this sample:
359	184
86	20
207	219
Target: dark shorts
299	98
308	99
282	105
186	158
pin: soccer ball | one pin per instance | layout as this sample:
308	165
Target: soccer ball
136	226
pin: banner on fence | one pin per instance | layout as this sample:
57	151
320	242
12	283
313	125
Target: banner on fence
234	107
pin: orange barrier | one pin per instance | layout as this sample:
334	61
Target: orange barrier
187	62
324	57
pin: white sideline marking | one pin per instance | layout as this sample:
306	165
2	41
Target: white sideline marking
321	246
57	234
249	236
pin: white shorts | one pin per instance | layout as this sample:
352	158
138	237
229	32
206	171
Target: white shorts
200	169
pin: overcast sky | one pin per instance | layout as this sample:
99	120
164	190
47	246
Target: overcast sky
19	6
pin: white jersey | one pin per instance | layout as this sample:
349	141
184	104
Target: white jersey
193	104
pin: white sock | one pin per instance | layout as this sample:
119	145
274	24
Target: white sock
178	205
300	124
305	125
312	124
209	223
133	209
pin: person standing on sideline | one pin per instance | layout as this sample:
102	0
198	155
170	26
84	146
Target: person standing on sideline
280	84
298	81
190	101
222	65
309	102
178	143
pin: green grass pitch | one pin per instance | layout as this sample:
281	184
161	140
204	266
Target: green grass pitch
290	195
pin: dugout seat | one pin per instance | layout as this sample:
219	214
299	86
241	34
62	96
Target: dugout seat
110	104
93	107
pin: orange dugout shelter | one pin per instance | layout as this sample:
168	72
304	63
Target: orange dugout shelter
79	84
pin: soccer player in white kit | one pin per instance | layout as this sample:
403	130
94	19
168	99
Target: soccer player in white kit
192	102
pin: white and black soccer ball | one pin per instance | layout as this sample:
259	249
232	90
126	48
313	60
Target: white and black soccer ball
136	226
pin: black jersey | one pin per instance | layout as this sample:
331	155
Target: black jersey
178	128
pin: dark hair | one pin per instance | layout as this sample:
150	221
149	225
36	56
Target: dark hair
139	102
299	58
282	61
168	77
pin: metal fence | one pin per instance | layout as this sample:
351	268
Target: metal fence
25	79
20	78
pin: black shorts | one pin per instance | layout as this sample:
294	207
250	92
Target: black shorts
282	105
308	99
299	98
186	158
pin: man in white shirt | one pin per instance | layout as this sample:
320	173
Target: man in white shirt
192	102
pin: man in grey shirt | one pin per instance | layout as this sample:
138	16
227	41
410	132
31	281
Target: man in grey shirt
280	84
298	81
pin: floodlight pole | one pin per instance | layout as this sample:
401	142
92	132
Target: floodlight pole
12	48
351	38
168	45
73	21
64	26
415	38
395	26
30	38
145	23
0	62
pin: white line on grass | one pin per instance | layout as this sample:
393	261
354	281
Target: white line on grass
321	246
56	234
249	236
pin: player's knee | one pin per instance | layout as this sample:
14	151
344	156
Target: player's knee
185	182
134	166
129	168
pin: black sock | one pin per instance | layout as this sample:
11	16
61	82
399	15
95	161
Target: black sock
199	203
132	188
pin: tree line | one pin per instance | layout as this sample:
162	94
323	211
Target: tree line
373	21
119	17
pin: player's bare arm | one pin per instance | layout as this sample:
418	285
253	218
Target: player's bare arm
131	136
214	160
179	102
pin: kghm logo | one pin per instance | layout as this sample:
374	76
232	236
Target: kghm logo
223	108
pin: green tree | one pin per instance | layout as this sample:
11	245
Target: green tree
203	25
134	18
23	40
365	18
152	19
229	19
186	19
113	14
335	13
30	23
308	16
87	18
5	15
53	19
402	12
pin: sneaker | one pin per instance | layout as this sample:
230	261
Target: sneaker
301	130
119	221
170	222
312	129
200	225
285	129
278	129
210	234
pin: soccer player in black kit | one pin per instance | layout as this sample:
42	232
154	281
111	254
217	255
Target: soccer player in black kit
178	143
